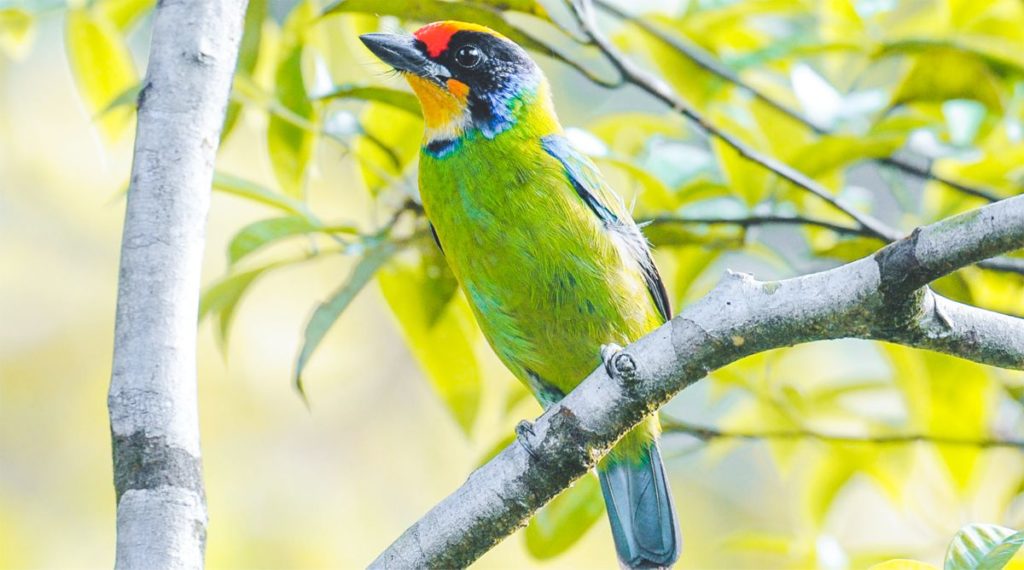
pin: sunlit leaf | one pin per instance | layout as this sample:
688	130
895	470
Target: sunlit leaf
929	79
128	97
263	232
982	547
124	13
902	564
248	54
528	6
563	521
830	153
433	10
230	184
328	312
390	141
102	66
291	146
17	29
439	329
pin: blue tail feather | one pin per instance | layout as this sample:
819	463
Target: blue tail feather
640	510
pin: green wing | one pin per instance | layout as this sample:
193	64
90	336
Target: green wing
608	207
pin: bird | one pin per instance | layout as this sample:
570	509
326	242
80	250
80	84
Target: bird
555	270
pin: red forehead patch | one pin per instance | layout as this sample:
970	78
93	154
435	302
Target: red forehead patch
436	36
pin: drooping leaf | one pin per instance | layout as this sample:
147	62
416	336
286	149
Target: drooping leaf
393	97
327	312
390	141
231	184
248	54
982	547
222	298
563	521
439	329
263	232
102	66
291	146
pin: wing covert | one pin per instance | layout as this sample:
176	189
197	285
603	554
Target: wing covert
608	207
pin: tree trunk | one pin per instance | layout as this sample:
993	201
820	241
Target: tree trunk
161	506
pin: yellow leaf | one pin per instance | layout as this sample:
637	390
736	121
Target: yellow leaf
124	13
391	140
102	66
439	328
17	30
902	564
929	79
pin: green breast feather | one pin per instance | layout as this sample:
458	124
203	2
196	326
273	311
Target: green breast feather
547	255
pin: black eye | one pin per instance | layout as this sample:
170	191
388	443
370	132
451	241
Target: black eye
468	56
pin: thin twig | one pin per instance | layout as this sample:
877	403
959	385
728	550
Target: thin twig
708	433
749	221
707	61
584	14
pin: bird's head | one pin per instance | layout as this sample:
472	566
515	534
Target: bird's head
467	78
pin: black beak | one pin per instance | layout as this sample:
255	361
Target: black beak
402	53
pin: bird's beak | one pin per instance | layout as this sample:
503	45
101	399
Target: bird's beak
402	53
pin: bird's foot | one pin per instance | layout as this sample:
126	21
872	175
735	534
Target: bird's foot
524	430
619	364
608	353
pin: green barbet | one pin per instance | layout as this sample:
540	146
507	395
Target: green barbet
547	254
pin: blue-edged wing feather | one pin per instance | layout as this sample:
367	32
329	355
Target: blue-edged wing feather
608	207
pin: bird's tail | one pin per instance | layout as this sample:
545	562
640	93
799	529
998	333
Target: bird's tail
639	503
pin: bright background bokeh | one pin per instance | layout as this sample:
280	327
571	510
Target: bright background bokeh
332	485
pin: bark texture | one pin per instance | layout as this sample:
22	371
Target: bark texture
882	297
161	507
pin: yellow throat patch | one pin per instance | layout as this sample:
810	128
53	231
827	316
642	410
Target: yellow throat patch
444	110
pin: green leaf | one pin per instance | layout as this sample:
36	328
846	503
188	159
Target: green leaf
393	97
102	67
263	232
128	97
834	152
390	142
327	312
248	54
291	146
982	547
929	79
231	184
526	6
223	296
124	13
439	329
563	521
433	10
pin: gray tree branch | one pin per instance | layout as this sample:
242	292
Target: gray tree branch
881	297
161	506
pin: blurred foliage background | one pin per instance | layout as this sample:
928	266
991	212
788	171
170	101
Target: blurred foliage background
320	275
